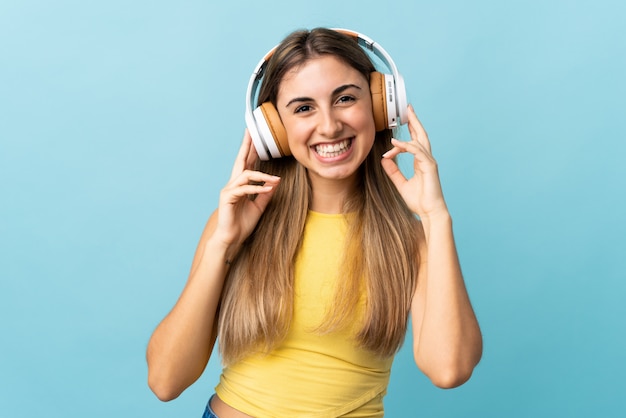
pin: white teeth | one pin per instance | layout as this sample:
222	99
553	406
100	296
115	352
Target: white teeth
333	150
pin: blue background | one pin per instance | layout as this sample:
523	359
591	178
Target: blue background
118	125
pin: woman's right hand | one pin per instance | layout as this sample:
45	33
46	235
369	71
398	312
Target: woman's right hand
244	198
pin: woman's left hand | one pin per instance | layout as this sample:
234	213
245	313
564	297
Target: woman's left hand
422	192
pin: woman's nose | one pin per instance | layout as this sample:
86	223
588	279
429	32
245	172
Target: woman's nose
329	124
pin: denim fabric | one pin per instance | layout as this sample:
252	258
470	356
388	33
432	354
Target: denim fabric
208	412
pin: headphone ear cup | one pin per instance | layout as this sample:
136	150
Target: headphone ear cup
275	127
379	102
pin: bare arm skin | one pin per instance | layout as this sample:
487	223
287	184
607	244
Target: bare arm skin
181	345
447	339
447	343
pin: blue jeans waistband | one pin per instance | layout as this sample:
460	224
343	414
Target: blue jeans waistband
208	412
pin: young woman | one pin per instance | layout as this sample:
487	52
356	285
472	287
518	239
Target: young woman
311	265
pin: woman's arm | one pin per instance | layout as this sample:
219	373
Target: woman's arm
181	345
447	343
447	339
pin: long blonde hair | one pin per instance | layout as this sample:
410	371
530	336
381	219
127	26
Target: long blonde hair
381	246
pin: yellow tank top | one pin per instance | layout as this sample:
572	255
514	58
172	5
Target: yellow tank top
311	375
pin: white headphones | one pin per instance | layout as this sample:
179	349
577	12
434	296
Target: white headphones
388	99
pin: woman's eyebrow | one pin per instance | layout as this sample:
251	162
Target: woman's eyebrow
298	100
345	87
338	90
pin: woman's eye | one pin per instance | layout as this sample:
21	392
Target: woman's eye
303	108
345	99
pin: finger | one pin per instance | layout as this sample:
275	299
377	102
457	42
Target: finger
250	190
241	160
413	147
422	159
262	199
416	129
254	177
393	152
393	172
234	192
252	156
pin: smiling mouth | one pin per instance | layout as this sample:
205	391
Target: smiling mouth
333	150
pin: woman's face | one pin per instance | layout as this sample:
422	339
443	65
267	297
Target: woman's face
326	108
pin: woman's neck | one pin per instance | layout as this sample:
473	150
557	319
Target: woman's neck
329	195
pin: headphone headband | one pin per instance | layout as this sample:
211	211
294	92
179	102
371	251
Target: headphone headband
369	45
261	131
